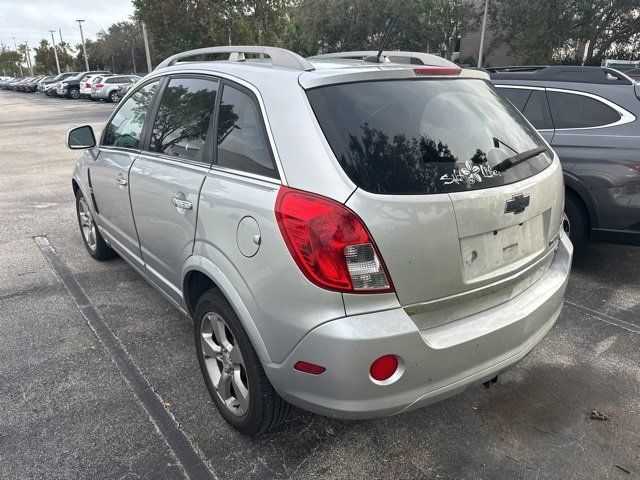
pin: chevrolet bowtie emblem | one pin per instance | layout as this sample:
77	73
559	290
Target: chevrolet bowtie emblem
517	204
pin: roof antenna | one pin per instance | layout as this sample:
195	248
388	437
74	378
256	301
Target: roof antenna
391	23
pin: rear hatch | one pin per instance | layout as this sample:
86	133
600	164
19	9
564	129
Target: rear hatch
456	235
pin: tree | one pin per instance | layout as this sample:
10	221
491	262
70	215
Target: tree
10	61
44	60
558	30
340	25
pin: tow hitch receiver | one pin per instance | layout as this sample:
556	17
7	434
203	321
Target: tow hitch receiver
488	383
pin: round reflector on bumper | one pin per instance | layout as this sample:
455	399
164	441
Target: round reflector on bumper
384	367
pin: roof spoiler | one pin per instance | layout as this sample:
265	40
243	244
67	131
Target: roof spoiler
415	58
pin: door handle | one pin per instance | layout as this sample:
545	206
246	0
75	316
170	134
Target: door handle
122	181
182	204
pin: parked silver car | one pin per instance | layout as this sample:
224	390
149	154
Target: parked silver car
106	88
352	237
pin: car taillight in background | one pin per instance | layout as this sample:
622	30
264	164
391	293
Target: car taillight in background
87	85
330	244
100	85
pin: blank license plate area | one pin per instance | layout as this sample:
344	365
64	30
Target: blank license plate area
492	253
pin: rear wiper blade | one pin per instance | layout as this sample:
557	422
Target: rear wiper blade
514	160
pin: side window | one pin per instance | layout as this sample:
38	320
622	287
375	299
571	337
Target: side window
126	126
537	110
180	127
517	96
577	111
242	140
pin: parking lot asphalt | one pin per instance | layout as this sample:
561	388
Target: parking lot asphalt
69	410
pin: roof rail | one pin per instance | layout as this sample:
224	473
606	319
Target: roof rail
423	58
561	73
279	56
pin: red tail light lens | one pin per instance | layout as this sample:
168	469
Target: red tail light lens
87	85
330	244
100	85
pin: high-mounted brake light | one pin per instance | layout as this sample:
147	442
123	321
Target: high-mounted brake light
435	70
330	244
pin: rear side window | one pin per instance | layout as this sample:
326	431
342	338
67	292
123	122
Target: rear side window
411	137
537	110
242	140
571	110
125	127
181	124
517	96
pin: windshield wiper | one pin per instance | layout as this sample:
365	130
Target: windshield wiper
514	160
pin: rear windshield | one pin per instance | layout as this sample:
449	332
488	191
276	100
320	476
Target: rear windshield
411	137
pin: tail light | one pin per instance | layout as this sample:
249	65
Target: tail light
330	244
100	85
87	85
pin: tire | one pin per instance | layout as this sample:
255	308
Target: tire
577	218
74	93
263	409
114	97
97	247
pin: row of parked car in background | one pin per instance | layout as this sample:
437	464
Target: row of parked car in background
94	85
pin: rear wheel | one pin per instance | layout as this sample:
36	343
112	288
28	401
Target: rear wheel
232	370
114	97
576	221
93	241
74	93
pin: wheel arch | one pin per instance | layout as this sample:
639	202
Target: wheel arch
201	274
574	186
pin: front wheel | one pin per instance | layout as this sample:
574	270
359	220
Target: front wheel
232	370
93	241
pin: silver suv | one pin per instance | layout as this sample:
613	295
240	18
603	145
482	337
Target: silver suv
356	237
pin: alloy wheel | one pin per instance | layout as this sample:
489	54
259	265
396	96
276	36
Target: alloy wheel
225	364
87	224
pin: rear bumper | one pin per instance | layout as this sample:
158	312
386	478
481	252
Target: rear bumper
436	362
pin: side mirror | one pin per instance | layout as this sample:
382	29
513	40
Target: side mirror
81	138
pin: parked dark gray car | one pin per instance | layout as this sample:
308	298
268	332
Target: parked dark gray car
589	115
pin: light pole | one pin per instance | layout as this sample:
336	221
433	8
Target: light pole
19	63
84	49
55	51
28	55
146	47
484	26
133	57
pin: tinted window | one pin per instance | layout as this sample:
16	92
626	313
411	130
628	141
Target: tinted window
125	127
242	142
180	127
577	111
425	136
517	96
537	110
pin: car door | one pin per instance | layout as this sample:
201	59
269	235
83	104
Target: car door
109	173
166	178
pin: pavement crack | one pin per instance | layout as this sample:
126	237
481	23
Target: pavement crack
630	327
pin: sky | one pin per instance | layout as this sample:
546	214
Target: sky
31	21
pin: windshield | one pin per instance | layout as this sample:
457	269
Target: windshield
409	137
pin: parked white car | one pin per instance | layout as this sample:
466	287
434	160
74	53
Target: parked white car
107	87
86	83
